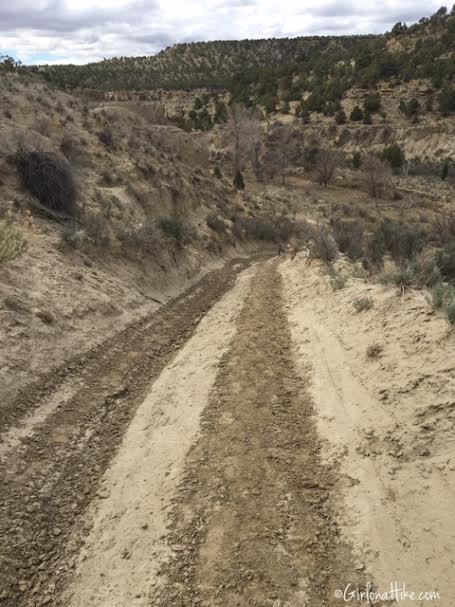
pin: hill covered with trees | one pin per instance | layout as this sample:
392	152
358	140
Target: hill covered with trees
319	69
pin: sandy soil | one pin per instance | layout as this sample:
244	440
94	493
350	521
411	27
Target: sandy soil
239	448
387	422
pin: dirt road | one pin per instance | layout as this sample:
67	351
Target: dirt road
188	462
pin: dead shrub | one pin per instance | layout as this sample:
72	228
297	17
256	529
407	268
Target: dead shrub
327	162
323	244
71	148
49	178
106	138
349	234
215	223
377	176
177	229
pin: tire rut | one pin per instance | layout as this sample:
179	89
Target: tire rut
46	486
253	522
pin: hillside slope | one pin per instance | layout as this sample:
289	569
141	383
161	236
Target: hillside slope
399	83
189	65
149	217
290	68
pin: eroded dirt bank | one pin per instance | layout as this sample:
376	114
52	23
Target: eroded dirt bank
50	475
387	422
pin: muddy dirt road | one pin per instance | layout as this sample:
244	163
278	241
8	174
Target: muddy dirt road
184	463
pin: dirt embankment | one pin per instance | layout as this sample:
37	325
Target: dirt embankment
387	418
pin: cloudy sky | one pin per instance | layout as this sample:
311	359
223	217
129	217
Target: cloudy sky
78	31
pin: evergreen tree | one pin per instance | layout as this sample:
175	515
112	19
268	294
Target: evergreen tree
372	103
340	117
238	181
356	160
356	114
394	155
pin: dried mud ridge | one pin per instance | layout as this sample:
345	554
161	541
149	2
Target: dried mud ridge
47	484
253	523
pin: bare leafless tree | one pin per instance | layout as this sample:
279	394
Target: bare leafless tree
377	175
280	150
257	148
239	119
327	162
246	139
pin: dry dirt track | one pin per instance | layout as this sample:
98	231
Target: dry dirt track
253	522
48	478
181	466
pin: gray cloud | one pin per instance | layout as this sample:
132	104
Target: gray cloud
54	15
384	13
84	30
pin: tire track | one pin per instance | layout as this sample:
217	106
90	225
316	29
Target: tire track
46	485
117	565
253	522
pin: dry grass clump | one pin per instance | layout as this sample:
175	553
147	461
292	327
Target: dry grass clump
443	297
12	243
374	350
338	281
362	303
